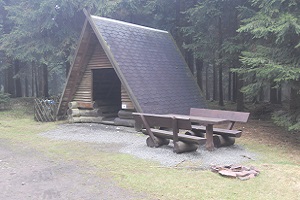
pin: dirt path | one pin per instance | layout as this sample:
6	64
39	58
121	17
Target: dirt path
27	174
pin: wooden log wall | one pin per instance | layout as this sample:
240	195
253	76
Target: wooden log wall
126	102
98	60
102	87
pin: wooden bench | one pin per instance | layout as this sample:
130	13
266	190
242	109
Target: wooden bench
222	137
162	128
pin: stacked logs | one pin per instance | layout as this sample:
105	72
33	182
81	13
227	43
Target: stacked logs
99	112
125	118
108	108
82	112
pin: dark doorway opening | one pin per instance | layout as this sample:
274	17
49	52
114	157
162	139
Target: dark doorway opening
107	91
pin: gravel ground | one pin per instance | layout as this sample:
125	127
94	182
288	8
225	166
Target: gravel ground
27	174
127	140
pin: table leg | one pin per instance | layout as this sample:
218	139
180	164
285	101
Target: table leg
209	138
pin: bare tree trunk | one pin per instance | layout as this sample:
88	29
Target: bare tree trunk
279	99
240	95
45	81
176	32
5	81
207	94
10	84
261	94
190	59
17	79
37	88
221	97
294	100
215	81
273	94
229	85
26	92
220	66
32	81
234	87
199	67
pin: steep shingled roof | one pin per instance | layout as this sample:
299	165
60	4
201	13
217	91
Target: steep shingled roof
149	65
152	67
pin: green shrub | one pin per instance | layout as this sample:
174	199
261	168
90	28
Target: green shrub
287	119
4	99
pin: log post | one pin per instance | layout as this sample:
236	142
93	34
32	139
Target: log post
160	142
209	137
180	147
149	130
222	141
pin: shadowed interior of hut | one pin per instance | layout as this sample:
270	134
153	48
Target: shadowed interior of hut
107	92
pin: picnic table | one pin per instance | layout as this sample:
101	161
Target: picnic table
208	122
199	121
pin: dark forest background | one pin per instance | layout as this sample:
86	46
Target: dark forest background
240	51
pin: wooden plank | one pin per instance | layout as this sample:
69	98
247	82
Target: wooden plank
164	121
230	115
181	137
219	131
125	99
80	104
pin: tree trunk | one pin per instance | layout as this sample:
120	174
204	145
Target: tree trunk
199	67
279	99
37	89
190	59
5	81
45	81
234	87
32	81
207	94
215	83
240	95
273	94
261	94
294	100
229	85
17	79
176	32
221	98
26	92
10	84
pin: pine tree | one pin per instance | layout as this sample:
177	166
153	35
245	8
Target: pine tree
274	55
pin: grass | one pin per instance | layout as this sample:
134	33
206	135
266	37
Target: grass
279	178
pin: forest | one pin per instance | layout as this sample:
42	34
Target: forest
240	51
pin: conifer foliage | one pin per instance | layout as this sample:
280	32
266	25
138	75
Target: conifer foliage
235	48
274	53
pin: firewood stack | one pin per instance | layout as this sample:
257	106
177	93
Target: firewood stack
81	112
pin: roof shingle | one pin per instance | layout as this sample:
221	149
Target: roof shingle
152	66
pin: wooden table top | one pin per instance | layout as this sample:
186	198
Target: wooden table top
201	120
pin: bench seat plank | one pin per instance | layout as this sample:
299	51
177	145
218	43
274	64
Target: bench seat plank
169	135
220	131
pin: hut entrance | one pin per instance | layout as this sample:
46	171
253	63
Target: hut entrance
107	92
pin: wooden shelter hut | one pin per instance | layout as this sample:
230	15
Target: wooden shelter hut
121	67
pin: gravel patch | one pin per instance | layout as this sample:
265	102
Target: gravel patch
134	143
